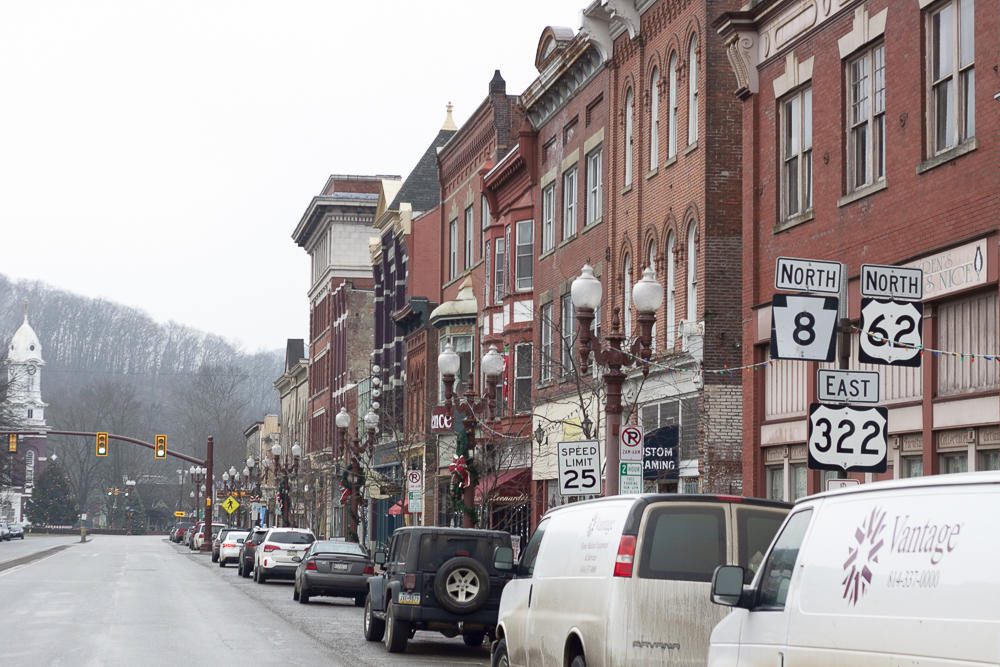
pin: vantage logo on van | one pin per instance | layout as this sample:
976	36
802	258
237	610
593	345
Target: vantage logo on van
908	537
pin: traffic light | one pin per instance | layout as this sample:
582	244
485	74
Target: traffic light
160	442
102	444
12	442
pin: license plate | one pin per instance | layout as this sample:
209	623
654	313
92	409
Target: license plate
409	598
293	553
340	566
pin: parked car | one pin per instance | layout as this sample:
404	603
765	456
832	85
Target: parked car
177	534
4	532
439	579
617	581
217	541
229	548
896	572
335	569
16	530
188	535
249	548
199	534
273	557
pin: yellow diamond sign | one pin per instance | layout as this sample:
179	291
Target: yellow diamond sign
230	504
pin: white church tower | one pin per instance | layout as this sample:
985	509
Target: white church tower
24	376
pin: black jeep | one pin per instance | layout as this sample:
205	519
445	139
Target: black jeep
438	579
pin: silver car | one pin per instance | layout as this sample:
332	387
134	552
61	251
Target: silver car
16	530
4	532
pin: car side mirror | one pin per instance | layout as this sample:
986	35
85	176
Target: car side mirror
503	559
296	559
727	586
380	558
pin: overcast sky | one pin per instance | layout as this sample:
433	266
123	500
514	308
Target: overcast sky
160	154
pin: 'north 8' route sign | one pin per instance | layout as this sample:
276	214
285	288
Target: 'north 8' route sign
804	327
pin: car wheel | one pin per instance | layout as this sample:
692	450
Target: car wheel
261	577
359	601
295	592
222	563
304	595
578	661
215	559
500	658
374	627
462	585
396	632
474	638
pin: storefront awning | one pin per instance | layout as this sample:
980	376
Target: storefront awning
511	487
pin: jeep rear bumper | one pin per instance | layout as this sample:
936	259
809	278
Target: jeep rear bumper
417	614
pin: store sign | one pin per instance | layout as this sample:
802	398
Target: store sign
442	421
954	270
659	459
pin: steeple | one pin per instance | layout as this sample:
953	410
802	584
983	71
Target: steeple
449	122
24	363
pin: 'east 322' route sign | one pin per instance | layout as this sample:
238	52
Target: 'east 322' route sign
848	438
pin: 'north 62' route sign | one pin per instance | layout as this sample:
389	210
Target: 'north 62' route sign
849	438
891	332
804	327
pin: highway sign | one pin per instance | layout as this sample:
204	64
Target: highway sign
630	443
804	327
180	514
630	478
230	504
892	282
414	480
807	275
847	437
891	332
579	468
848	386
834	484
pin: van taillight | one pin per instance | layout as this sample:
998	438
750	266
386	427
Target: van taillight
626	553
410	582
310	565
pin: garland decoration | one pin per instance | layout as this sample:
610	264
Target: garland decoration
469	475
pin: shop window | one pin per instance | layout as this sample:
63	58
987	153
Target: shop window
952	463
911	466
988	460
775	482
799	479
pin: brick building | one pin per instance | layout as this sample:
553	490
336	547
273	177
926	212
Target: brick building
335	230
867	138
674	189
568	111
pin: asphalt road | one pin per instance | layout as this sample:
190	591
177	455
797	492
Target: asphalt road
142	600
32	544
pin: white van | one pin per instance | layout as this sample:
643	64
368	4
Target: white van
624	580
892	573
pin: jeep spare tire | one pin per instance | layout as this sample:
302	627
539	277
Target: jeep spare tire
462	585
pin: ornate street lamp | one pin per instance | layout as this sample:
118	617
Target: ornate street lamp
647	295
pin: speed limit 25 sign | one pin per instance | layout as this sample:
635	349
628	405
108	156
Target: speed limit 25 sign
848	438
579	468
891	332
804	327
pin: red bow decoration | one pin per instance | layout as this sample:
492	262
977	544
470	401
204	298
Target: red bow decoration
460	469
345	494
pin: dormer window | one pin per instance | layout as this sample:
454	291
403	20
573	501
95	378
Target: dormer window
550	45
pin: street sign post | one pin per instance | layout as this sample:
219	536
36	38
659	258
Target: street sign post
630	443
848	438
834	386
580	468
892	282
891	332
630	478
804	327
414	491
807	275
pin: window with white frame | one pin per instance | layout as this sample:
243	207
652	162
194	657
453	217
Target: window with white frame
525	261
796	153
484	220
671	290
672	106
654	118
627	309
453	250
463	348
693	91
692	274
569	204
628	137
549	218
866	116
547	353
470	231
522	377
952	50
568	334
498	271
651	255
594	182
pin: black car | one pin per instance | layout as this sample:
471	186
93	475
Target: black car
335	569
439	579
247	552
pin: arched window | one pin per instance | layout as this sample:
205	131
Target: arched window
671	292
654	125
29	468
628	137
693	92
652	264
627	314
692	279
672	105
